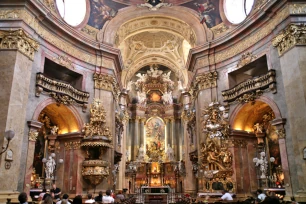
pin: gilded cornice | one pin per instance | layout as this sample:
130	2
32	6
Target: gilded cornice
203	81
108	83
291	36
251	89
19	40
251	39
33	135
72	145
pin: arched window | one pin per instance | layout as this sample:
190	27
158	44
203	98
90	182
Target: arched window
237	10
72	11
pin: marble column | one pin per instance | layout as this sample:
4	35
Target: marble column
34	127
15	74
167	131
136	138
141	131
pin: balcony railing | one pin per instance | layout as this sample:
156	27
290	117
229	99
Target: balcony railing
62	92
250	89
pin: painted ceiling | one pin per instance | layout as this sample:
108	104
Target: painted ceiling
103	10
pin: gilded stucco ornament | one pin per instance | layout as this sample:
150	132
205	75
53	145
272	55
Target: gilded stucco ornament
97	124
297	8
108	83
33	135
245	59
64	61
292	35
72	145
19	40
218	29
214	153
91	31
281	133
203	81
97	138
9	14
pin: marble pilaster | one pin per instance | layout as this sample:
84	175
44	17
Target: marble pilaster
14	79
294	77
34	127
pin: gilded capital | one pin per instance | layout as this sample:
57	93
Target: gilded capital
72	145
203	81
108	83
291	36
33	135
19	40
281	133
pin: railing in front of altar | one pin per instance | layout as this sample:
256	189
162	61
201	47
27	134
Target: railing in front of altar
144	191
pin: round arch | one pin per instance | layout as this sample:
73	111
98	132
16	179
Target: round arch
244	116
186	16
67	117
156	59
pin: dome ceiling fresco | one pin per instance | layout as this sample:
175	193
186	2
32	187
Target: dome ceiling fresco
103	10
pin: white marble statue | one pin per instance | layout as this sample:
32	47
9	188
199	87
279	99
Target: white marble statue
114	172
154	72
142	78
54	130
50	167
170	153
142	97
166	78
180	86
141	153
167	97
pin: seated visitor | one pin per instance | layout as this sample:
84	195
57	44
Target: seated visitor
64	200
23	198
260	195
108	198
99	197
90	199
41	195
119	195
226	196
77	200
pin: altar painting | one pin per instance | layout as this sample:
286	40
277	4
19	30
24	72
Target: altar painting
155	138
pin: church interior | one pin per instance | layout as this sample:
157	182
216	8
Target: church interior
156	98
